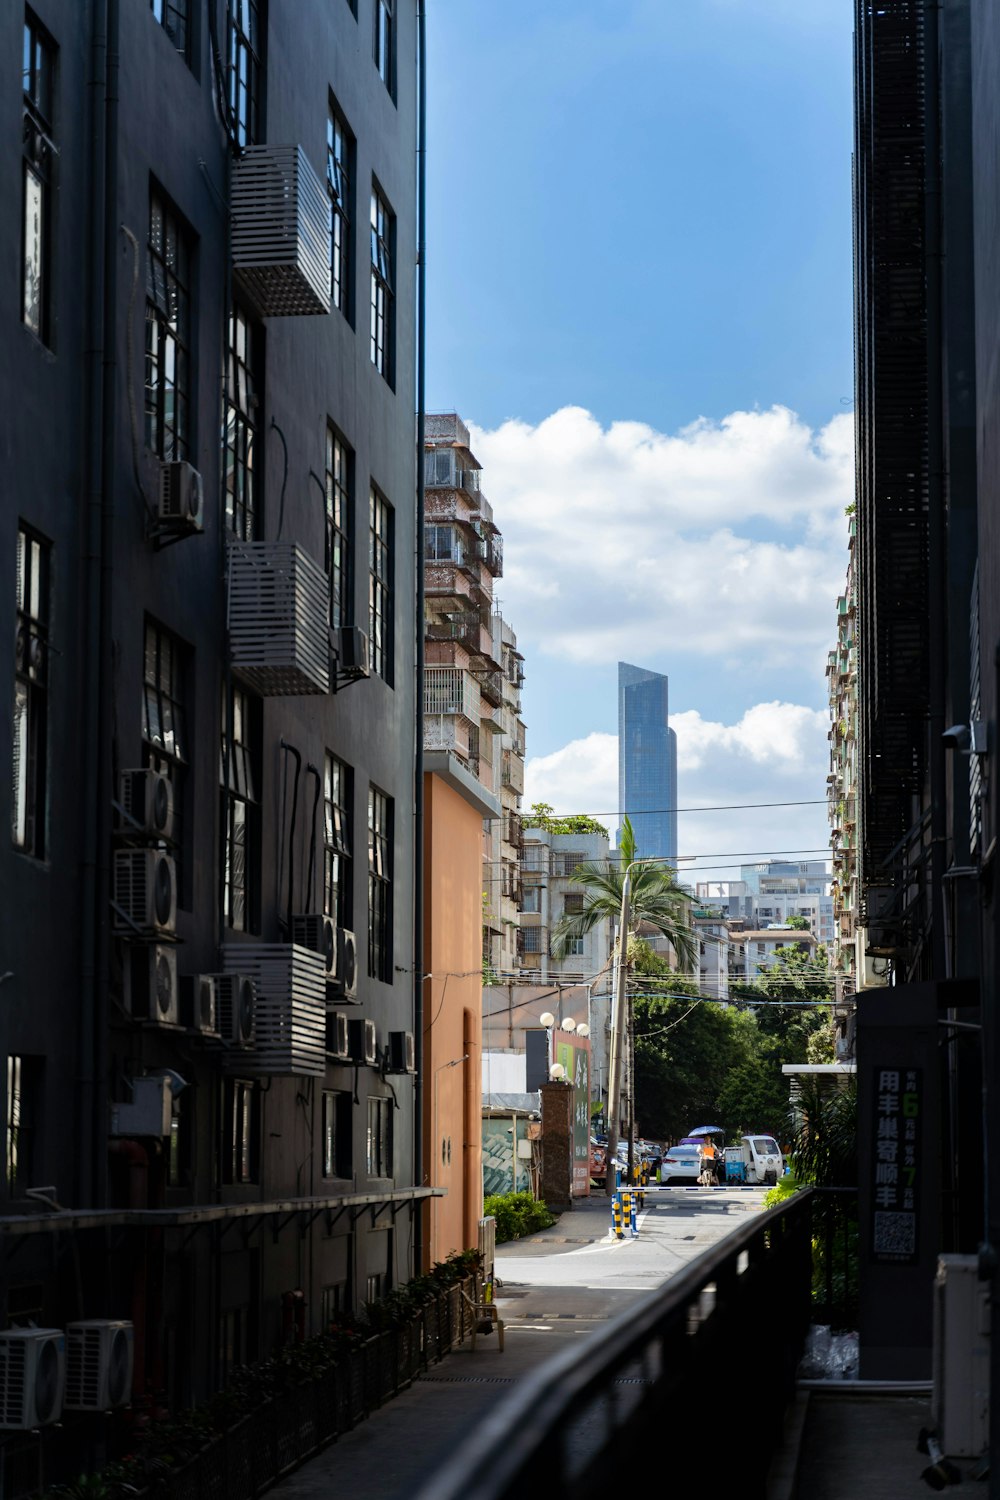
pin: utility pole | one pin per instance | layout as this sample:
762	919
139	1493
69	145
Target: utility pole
617	1038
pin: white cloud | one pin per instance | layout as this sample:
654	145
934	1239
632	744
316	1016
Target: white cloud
727	536
776	753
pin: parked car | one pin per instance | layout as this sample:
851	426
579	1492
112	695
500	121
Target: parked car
682	1164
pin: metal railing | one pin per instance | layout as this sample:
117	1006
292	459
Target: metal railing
732	1324
451	690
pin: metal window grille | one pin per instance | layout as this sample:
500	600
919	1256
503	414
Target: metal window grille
339	527
379	885
383	231
240	832
380	584
29	799
168	331
338	784
173	16
243	402
339	185
244	49
38	153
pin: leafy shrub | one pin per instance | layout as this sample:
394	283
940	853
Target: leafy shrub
517	1214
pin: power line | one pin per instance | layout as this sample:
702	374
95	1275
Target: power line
722	807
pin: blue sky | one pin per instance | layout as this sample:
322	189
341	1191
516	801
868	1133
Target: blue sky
639	294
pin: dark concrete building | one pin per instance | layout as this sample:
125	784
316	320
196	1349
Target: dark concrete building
207	542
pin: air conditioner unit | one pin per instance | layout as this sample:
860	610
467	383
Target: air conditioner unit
401	1054
147	799
148	1113
960	1407
144	893
32	1377
151	992
319	934
353	653
99	1354
337	1038
182	499
199	1009
236	1005
345	981
363	1048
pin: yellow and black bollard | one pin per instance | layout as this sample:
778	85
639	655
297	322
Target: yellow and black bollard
616	1216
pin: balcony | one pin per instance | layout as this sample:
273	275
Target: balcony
512	772
444	470
491	685
450	690
278	619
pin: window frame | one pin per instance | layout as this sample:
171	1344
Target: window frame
241	811
338	832
380	883
175	17
169	280
240	1132
245	31
382	240
243	405
39	154
341	165
381	580
32	603
338	492
335	1134
379	1138
165	696
384	44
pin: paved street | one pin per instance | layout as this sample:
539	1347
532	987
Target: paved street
558	1285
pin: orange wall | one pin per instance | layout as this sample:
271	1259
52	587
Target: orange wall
453	952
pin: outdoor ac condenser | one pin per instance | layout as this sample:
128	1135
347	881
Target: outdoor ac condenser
961	1402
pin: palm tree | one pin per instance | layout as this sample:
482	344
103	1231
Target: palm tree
655	899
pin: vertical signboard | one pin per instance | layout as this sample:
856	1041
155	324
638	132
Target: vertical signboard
895	1166
575	1058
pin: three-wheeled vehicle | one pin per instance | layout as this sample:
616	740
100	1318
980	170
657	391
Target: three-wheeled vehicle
757	1159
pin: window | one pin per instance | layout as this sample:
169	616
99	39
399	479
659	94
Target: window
340	186
383	234
173	17
164	721
532	939
240	815
573	903
240	1130
339	528
443	544
379	885
337	1133
244	363
532	899
20	1118
338	799
179	1143
333	1302
380	601
574	947
168	331
29	802
244	50
379	1154
385	43
38	153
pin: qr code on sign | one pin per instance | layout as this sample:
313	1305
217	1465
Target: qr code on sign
895	1234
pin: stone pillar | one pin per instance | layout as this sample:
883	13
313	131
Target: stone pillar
557	1145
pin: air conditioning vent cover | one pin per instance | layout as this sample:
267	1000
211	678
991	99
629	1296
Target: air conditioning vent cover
32	1377
280	232
99	1359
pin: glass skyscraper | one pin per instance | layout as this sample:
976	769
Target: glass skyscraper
647	761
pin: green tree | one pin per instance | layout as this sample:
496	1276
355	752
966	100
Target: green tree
543	815
655	899
797	924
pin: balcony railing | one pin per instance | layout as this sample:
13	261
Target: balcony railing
740	1311
512	773
491	685
451	690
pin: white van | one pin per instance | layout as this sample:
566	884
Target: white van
762	1158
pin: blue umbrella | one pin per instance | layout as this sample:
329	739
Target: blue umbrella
707	1130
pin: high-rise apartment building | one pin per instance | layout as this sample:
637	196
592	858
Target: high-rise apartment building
647	761
207	563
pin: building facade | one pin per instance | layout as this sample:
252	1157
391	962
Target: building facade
647	761
209	557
